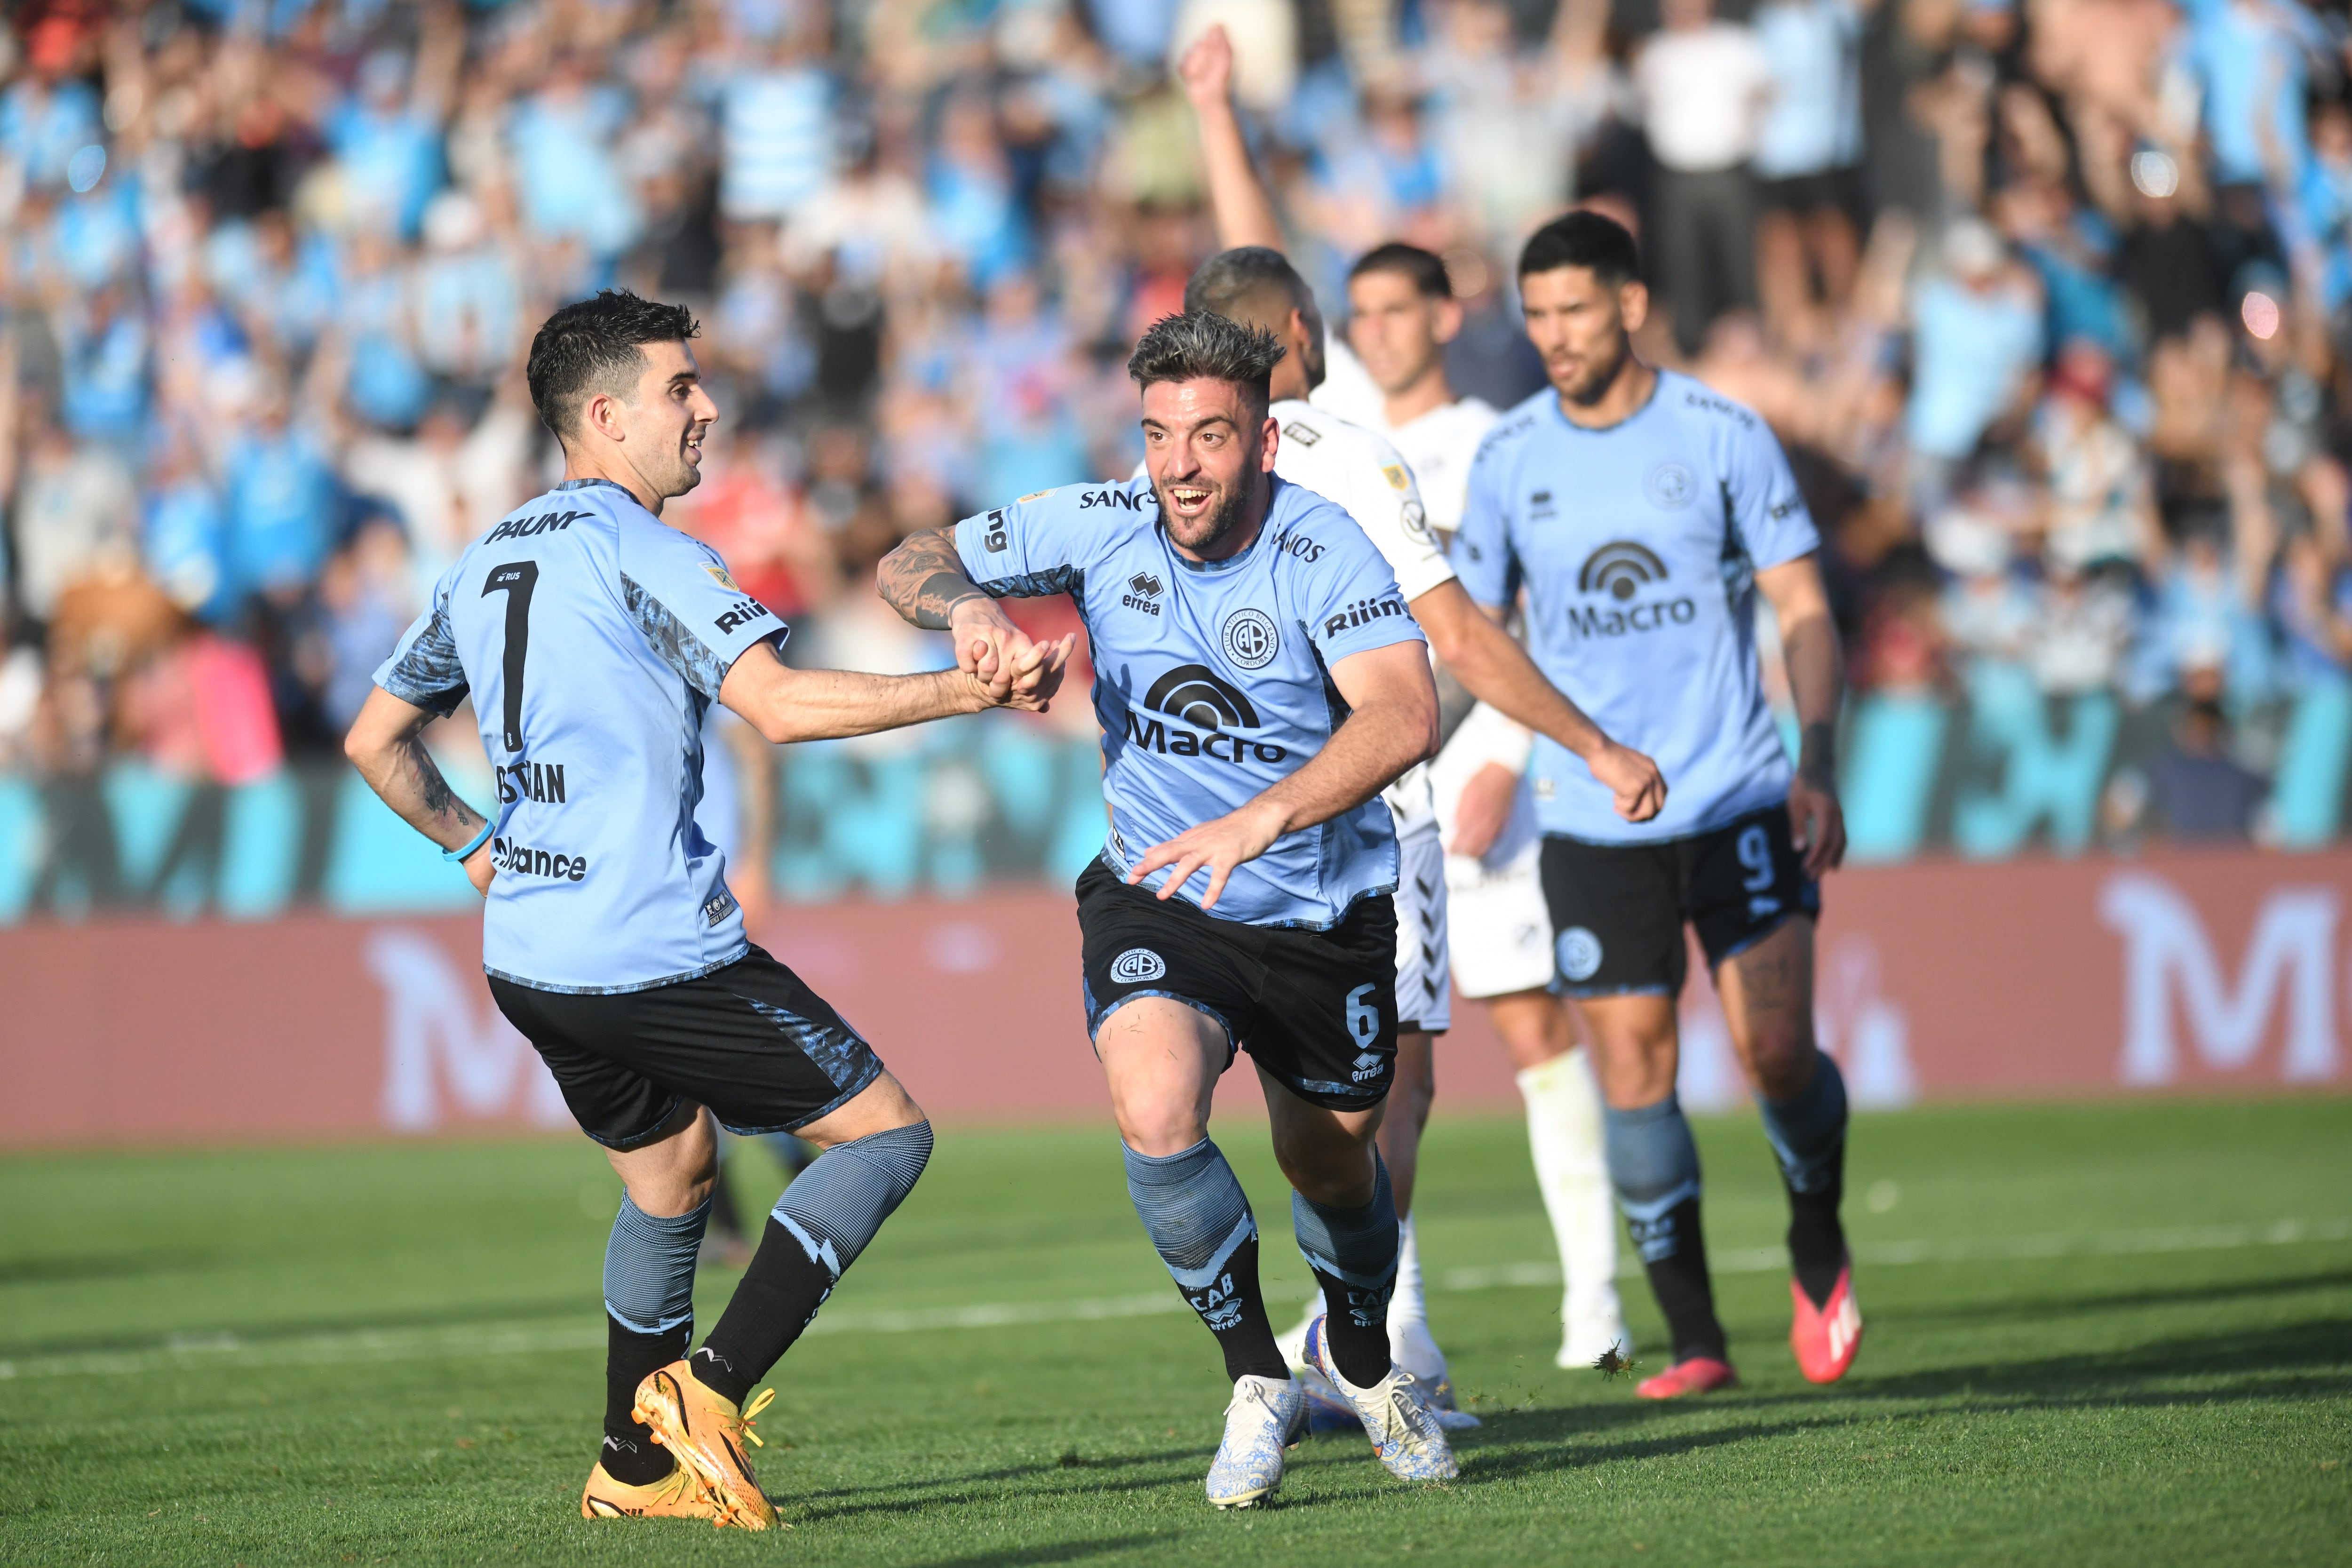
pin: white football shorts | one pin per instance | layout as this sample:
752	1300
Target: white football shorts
1494	901
1423	1000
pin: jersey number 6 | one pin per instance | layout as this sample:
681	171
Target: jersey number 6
516	580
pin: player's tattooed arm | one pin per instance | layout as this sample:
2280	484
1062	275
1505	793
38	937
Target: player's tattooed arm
1487	660
784	704
387	744
1809	643
925	582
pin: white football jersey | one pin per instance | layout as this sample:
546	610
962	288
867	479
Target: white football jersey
1438	448
1367	475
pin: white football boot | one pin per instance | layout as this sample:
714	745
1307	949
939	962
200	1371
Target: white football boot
1395	1414
1248	1466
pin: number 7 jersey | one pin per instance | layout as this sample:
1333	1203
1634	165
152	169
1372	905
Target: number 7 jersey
593	638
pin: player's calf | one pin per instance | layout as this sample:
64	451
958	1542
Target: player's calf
649	1314
1193	1206
1654	1165
1807	1131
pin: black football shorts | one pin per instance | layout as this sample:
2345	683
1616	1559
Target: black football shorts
751	1041
1618	910
1317	1009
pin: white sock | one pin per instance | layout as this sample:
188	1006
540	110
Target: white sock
1564	1136
1410	1343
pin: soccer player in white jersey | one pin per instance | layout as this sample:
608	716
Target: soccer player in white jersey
1645	515
593	638
1400	315
1397	386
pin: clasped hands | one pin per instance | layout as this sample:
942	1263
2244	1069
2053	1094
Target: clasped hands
1009	669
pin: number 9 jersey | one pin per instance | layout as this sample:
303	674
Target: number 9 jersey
593	638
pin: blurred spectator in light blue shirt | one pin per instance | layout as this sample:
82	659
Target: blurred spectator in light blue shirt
185	533
775	136
282	503
971	186
571	185
104	342
2253	59
388	139
45	115
467	299
1814	123
1975	340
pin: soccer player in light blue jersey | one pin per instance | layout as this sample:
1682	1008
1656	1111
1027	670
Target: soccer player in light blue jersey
1259	681
592	639
1643	514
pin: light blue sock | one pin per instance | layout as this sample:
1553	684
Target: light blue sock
1808	1130
649	1268
1193	1207
833	1207
1654	1165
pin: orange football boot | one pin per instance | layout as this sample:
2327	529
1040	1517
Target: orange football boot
1699	1374
1826	1338
707	1432
677	1495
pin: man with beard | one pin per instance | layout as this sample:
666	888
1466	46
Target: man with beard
1259	681
1644	513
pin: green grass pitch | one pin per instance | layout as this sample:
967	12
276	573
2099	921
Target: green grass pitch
2097	1334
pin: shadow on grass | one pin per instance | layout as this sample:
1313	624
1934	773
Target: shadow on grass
1003	1480
1059	1552
2310	1361
2042	1309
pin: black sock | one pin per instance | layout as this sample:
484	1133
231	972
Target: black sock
631	1455
1679	1282
779	1295
1356	1327
1234	1311
1816	1239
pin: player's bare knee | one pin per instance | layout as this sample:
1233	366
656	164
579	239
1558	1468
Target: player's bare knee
1781	1061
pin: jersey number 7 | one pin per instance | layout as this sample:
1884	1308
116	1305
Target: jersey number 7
516	580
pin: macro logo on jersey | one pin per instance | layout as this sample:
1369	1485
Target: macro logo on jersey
1136	965
1670	486
1205	700
1363	610
1619	571
1143	590
1250	639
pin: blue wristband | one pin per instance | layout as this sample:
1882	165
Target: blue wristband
472	845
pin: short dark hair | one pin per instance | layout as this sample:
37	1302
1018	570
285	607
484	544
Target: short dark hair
593	345
1587	240
1423	268
1232	282
1200	346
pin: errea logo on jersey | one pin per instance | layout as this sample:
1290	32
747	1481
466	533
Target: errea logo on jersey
1205	700
1620	569
1143	590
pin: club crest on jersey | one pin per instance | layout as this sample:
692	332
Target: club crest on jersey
1301	433
1250	639
1670	486
1143	590
1136	965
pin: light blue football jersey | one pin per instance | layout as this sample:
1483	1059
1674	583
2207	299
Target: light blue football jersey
1638	546
592	637
1212	679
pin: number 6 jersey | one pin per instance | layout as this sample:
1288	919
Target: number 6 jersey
592	637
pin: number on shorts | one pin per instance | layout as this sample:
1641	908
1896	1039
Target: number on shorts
1756	854
1363	1017
516	580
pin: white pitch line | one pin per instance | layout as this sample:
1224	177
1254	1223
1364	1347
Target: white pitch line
193	1352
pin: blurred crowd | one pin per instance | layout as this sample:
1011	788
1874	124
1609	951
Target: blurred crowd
2050	301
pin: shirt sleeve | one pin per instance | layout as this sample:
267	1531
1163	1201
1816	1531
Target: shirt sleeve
1767	508
424	670
1042	543
1482	545
1355	604
1387	506
697	620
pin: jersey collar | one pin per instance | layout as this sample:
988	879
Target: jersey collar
585	484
